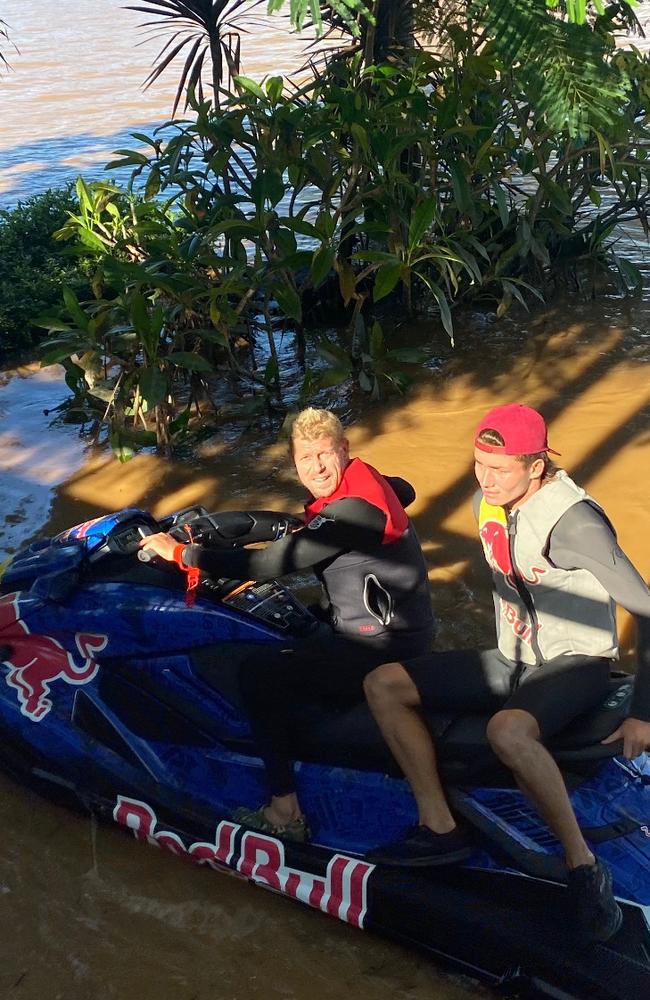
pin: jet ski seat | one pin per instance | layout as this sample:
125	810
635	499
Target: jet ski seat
351	738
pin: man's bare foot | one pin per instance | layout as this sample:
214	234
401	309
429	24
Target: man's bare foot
283	809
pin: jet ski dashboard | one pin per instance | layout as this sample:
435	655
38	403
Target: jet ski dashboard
268	601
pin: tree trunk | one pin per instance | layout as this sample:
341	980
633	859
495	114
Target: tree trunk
393	32
216	56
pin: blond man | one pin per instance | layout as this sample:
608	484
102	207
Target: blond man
359	542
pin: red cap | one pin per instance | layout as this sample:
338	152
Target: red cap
522	429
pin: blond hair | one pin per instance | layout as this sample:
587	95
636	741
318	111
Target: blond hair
312	423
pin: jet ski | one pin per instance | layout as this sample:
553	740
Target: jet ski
119	692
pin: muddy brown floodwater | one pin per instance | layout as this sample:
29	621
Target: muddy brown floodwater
88	912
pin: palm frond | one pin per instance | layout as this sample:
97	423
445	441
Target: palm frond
580	11
384	33
348	13
4	34
564	63
205	32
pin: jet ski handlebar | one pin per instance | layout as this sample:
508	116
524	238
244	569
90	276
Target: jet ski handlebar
230	529
121	533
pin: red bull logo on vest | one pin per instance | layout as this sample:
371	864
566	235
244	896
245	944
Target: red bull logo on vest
496	545
520	627
493	532
342	892
35	661
494	537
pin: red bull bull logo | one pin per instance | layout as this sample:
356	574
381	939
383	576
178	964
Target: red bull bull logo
342	892
493	532
35	661
494	537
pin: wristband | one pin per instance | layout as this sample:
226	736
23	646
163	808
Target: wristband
178	556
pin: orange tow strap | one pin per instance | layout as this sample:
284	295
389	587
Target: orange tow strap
193	572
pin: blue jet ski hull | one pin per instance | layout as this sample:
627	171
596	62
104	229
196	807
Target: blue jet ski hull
117	695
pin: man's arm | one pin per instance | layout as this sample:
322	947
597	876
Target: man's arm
584	539
350	523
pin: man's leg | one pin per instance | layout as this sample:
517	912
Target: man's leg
267	694
395	702
272	688
555	694
546	699
461	681
515	736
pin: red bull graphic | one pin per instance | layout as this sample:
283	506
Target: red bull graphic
494	536
80	530
493	531
520	626
342	892
35	661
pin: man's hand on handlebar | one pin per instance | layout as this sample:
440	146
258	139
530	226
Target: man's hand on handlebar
227	530
161	544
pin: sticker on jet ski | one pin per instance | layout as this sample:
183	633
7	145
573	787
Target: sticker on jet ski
34	661
81	530
341	893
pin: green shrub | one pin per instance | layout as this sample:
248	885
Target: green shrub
34	267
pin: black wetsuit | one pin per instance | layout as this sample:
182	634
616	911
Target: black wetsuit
558	690
366	629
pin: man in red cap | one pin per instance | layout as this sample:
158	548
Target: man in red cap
558	573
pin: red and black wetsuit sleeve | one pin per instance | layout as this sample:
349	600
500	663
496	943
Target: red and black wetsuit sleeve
346	524
584	539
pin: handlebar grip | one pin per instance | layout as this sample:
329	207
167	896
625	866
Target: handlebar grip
144	556
286	525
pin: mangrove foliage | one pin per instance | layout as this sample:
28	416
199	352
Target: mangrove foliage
450	172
